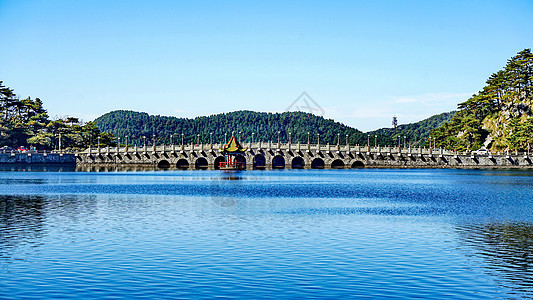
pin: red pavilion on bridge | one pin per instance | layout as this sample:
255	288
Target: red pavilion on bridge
233	158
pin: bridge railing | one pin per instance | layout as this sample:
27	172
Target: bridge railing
274	146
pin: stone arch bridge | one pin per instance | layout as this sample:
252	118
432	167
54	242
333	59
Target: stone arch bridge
297	156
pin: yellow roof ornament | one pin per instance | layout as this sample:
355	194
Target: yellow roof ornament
233	145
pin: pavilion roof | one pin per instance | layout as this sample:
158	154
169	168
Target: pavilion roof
233	145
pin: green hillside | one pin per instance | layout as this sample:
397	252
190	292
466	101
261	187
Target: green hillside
498	117
416	133
265	127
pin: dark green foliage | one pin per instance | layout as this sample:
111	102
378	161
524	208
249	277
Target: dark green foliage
499	115
26	123
265	127
522	135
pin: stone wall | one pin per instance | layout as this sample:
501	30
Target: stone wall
37	158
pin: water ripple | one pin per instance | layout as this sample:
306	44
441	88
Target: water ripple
375	233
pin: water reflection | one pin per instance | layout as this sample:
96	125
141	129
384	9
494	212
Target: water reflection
231	176
37	168
23	219
21	222
224	188
325	233
507	250
124	168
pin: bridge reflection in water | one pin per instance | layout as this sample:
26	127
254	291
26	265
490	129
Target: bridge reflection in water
297	156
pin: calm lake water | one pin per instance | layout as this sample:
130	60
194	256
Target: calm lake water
267	234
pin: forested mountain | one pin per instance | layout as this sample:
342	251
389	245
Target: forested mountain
25	122
265	127
498	117
416	133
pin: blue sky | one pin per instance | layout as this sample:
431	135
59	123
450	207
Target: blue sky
362	62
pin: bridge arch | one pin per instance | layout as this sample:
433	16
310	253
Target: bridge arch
317	163
182	164
259	162
201	164
163	164
278	162
298	163
358	164
217	162
240	158
337	164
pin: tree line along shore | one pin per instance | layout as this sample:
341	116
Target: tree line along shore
497	118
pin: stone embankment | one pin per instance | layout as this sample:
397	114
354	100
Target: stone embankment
37	158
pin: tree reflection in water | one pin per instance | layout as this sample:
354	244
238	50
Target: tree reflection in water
506	249
24	219
21	223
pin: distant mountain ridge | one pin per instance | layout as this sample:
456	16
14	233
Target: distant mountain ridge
264	126
417	133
